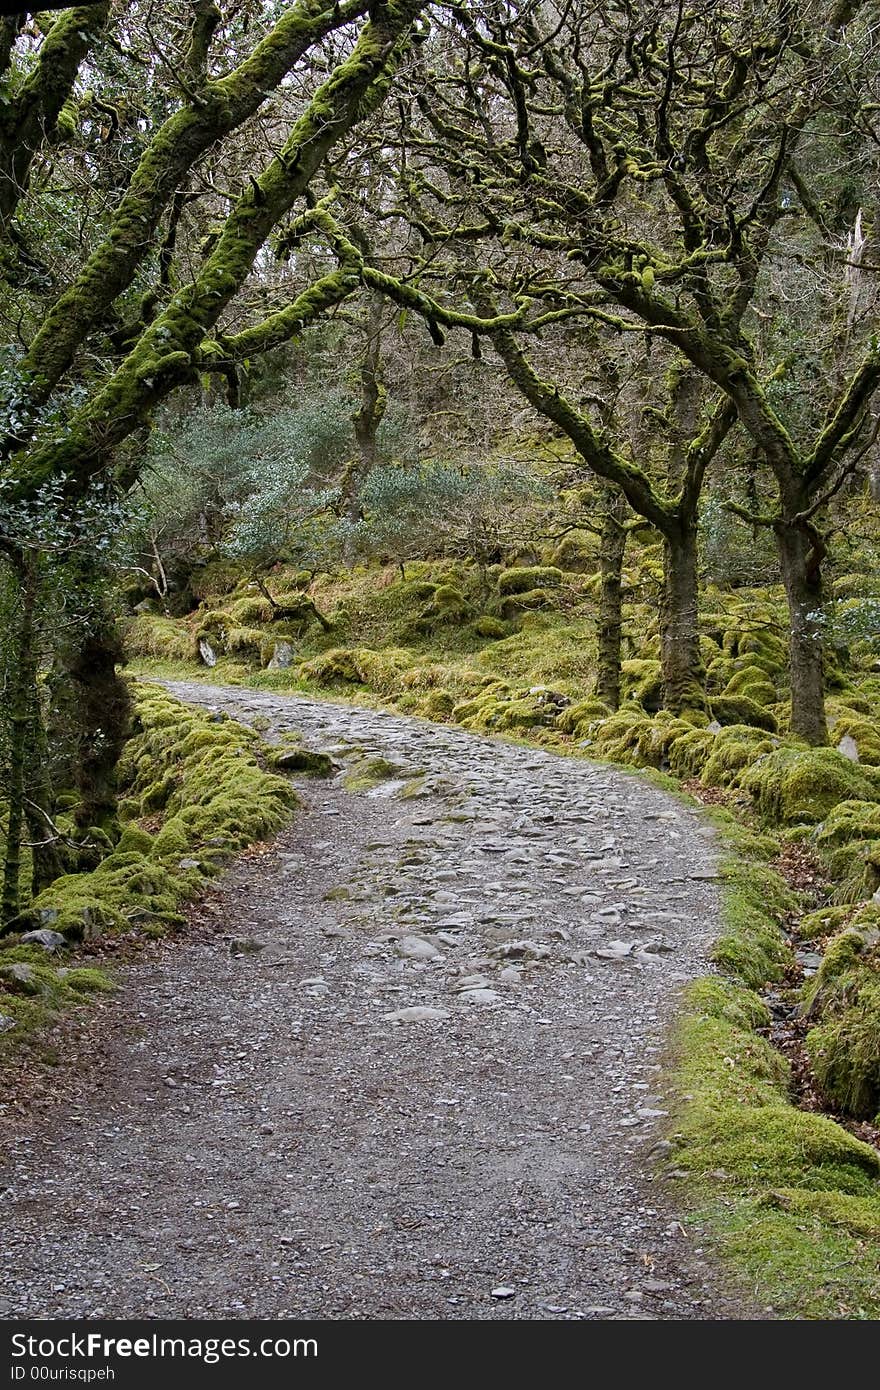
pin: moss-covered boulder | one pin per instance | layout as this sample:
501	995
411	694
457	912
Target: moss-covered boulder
794	786
642	682
335	667
580	718
446	606
575	553
844	1046
741	709
490	627
733	749
864	734
525	578
515	604
689	753
849	820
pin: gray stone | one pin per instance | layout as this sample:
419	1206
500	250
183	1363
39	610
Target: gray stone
282	657
417	1013
480	996
245	946
417	948
616	950
849	748
19	973
521	950
6	1023
207	653
49	940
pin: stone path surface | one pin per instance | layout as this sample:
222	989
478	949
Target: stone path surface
413	1070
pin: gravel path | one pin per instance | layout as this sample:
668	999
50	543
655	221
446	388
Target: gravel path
430	1094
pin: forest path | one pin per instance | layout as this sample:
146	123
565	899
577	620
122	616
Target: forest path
259	1138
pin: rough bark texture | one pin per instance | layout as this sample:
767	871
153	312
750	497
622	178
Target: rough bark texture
611	556
682	664
103	707
367	419
20	716
800	556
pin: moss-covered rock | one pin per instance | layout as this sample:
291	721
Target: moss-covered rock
740	709
524	579
303	761
490	627
575	553
865	734
844	1048
334	667
794	785
849	820
512	605
733	749
689	753
642	682
580	718
752	681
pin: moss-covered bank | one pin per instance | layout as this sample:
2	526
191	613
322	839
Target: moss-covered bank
194	790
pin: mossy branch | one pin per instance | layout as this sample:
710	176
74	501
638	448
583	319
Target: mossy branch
30	118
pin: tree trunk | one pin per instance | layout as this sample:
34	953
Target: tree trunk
801	551
367	419
680	658
611	557
48	859
103	709
20	716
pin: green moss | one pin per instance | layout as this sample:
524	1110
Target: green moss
799	1259
515	604
369	772
844	1046
245	642
752	946
752	681
740	709
303	761
491	628
737	1126
206	777
864	732
849	820
135	839
793	785
150	635
575	553
250	611
689	753
526	579
580	718
336	667
733	749
844	1049
719	998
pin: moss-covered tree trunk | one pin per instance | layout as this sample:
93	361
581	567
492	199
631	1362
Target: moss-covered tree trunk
103	711
680	658
800	558
48	859
367	419
20	720
611	556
